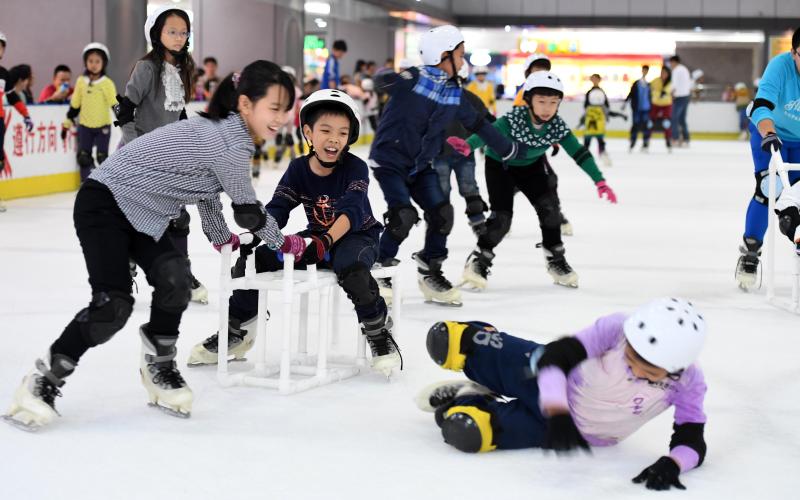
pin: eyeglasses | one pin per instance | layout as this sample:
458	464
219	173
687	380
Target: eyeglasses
178	34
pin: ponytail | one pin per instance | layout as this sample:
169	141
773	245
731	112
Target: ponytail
254	82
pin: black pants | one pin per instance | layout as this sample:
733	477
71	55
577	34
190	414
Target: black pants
538	183
108	241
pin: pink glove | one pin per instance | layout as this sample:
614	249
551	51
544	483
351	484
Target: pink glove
460	145
233	241
295	245
605	189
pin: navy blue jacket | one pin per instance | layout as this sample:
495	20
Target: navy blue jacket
343	192
423	102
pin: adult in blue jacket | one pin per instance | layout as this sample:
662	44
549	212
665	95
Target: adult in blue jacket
411	133
774	126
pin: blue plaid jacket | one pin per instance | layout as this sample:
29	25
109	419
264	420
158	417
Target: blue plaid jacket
411	132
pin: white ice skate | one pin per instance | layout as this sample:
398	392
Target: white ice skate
241	338
34	400
566	228
606	159
434	286
2	206
476	269
443	392
385	284
558	268
748	265
385	353
163	382
199	292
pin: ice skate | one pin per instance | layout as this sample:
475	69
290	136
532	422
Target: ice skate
199	292
2	206
434	286
164	384
566	226
241	338
444	392
34	400
476	269
385	352
748	264
385	284
559	269
605	159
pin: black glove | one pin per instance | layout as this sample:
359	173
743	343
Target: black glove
316	250
556	149
771	141
562	435
661	475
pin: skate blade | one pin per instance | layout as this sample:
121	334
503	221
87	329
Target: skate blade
566	285
170	411
444	304
189	364
32	427
200	301
472	286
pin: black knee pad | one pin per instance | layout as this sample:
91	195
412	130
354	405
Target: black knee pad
172	281
179	226
788	221
497	226
101	157
475	205
761	194
469	428
106	315
85	159
399	221
441	218
548	210
359	284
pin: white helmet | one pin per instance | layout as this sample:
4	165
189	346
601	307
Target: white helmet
668	333
338	98
152	18
480	70
97	46
538	56
698	73
290	70
367	84
596	97
463	73
543	80
3	38
438	40
406	63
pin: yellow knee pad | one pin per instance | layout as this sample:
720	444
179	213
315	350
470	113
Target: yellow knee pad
469	429
444	344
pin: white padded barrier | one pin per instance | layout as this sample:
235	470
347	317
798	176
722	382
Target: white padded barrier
779	170
298	370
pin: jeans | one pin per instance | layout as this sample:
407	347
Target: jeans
679	107
464	167
641	122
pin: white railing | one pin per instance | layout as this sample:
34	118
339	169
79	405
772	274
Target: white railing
779	169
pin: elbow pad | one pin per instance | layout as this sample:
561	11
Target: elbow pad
691	435
761	103
250	216
73	113
123	110
565	354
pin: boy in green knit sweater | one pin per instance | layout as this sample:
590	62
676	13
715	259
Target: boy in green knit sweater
538	126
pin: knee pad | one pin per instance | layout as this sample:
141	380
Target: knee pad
172	280
441	218
179	226
762	187
475	205
666	123
106	315
788	221
548	210
101	157
85	159
497	226
449	342
400	220
359	284
468	429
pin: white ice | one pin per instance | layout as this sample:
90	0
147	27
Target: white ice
675	231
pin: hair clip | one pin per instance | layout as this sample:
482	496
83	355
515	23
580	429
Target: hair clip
235	79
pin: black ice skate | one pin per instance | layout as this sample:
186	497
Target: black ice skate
434	286
558	268
748	264
443	393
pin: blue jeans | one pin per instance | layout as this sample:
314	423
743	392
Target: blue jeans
464	167
641	122
352	248
505	370
398	190
679	128
756	220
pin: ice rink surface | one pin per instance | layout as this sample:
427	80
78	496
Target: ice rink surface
675	231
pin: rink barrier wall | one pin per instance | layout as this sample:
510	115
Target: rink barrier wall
39	162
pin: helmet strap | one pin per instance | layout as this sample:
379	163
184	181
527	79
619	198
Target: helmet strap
328	164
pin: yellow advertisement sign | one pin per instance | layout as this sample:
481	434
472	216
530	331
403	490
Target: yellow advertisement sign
778	45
